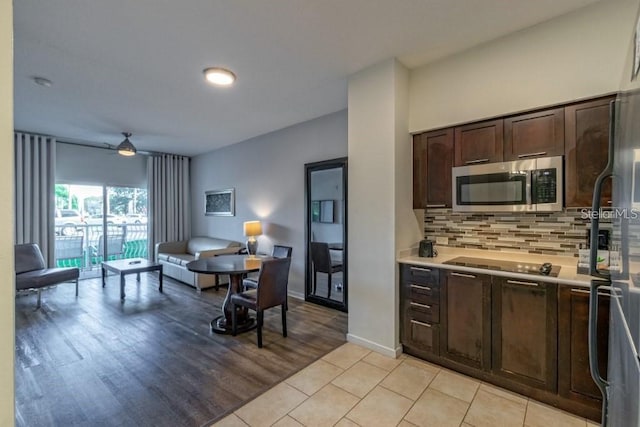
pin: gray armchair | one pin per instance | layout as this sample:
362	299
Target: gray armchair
32	273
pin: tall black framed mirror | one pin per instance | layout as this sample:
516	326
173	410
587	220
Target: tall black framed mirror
326	233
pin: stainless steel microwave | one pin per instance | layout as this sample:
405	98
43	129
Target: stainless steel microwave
530	185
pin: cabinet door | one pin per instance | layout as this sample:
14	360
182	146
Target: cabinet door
525	331
432	163
586	151
466	319
574	376
478	143
539	134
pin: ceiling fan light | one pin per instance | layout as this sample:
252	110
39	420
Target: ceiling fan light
126	148
219	76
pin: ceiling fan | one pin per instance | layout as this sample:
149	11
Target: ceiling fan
126	148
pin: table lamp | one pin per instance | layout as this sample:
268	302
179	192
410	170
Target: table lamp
251	230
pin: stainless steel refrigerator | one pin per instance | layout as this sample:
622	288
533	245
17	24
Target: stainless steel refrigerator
621	389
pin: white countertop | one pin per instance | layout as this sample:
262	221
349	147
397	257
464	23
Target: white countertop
568	271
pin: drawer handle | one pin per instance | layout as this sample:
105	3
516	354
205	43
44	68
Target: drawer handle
442	205
475	162
428	307
421	323
517	282
423	288
426	270
469	276
580	291
601	292
524	156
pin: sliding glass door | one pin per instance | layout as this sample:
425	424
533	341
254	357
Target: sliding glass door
98	223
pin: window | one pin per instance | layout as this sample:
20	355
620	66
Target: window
86	235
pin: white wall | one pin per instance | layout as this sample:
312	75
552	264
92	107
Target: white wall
574	56
268	175
7	269
409	224
378	189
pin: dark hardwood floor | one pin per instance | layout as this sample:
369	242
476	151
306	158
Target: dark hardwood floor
151	361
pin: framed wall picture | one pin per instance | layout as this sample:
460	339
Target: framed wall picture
322	211
220	202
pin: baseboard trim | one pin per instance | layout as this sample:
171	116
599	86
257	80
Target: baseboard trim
296	295
385	351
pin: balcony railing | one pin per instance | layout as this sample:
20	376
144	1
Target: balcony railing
82	246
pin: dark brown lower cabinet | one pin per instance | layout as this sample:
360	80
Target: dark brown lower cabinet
423	336
420	307
466	319
525	328
527	336
574	379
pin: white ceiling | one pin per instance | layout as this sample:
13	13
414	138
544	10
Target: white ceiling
123	65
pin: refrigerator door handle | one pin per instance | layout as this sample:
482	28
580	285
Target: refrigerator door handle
597	194
594	366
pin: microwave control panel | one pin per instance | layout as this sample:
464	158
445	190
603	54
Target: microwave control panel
544	184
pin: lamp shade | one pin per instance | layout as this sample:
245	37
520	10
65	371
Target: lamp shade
252	228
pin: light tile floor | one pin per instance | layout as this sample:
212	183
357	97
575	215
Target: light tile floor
353	386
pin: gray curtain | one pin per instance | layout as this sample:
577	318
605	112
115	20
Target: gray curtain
35	167
169	199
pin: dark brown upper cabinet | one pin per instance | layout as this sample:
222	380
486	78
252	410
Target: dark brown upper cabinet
586	151
432	163
539	134
479	143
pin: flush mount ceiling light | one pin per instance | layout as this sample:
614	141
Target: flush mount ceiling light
219	76
126	148
42	81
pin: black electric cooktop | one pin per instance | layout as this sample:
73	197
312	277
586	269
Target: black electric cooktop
509	266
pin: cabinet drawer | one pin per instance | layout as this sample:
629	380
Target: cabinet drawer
429	313
425	294
424	336
420	275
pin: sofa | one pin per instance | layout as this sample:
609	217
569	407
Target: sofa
174	256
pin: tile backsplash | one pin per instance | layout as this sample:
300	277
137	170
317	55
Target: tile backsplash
553	233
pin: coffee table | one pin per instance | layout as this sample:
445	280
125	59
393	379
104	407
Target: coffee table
129	266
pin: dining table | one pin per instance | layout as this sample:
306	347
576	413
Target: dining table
236	267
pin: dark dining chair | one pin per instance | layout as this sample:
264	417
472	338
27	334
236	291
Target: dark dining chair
271	292
277	252
322	263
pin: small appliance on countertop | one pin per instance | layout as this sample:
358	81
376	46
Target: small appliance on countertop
546	269
427	249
